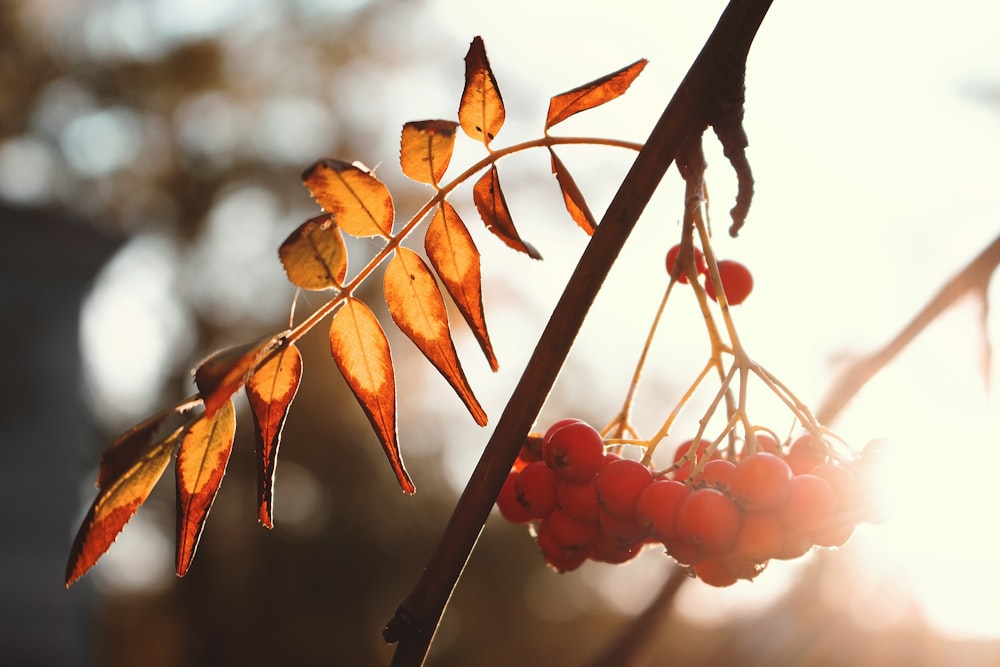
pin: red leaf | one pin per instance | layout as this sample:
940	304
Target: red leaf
361	351
123	488
592	94
359	203
270	391
425	149
481	112
455	257
219	376
314	255
492	208
573	198
418	309
201	464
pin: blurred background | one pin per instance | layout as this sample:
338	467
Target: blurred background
150	154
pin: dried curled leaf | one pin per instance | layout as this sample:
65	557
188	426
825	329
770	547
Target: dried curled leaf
492	207
314	255
573	198
270	391
592	94
123	488
481	111
418	309
454	256
425	149
361	351
219	376
359	203
201	464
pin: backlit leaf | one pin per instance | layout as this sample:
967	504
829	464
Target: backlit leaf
454	256
201	463
418	309
481	111
270	390
219	376
135	443
425	149
573	198
123	489
592	94
492	208
361	351
314	255
359	203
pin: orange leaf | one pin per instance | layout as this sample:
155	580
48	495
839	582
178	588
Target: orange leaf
481	111
359	203
492	208
134	444
592	94
455	257
575	203
361	351
220	375
123	489
425	149
418	309
314	255
201	464
270	390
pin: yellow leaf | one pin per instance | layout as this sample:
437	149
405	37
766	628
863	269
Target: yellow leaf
314	255
592	94
359	203
481	112
425	149
418	309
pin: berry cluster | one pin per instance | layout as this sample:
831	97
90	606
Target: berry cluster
725	523
737	281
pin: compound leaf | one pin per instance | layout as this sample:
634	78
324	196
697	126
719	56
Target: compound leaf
481	111
572	197
201	464
359	203
592	94
425	149
220	375
270	391
123	487
361	351
314	255
492	207
418	309
454	256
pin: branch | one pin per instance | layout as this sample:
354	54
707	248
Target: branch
417	618
975	276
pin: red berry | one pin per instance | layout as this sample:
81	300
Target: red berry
709	519
508	505
715	573
619	484
571	533
578	500
737	282
559	558
535	489
717	473
810	504
608	549
761	536
531	451
657	506
767	443
684	471
805	454
699	262
626	531
573	449
760	482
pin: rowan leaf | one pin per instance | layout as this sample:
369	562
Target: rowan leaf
132	445
454	256
417	307
481	112
492	207
572	197
425	149
123	488
220	375
270	391
314	255
361	352
359	203
592	94
201	464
